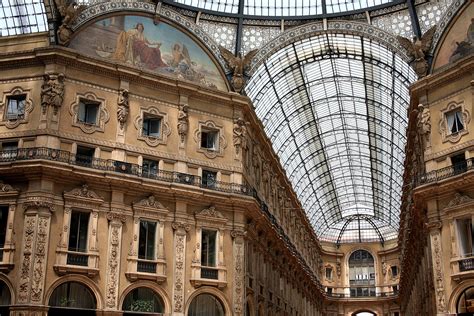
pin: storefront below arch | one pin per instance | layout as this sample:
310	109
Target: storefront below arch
72	299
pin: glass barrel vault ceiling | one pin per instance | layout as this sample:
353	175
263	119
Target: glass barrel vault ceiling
334	107
22	17
286	8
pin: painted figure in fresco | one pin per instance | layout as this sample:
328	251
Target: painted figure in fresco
180	54
134	48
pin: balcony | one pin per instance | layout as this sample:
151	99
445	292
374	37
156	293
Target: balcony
462	268
143	269
445	173
213	276
76	262
43	153
361	293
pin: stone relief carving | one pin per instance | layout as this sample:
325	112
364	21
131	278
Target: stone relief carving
183	121
459	199
15	120
238	65
39	264
424	125
438	269
165	130
238	240
418	50
52	92
178	289
210	212
150	202
6	187
69	11
84	192
123	107
28	237
113	262
240	134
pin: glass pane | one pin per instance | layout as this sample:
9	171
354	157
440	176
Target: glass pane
206	305
143	300
78	231
146	243
73	294
208	252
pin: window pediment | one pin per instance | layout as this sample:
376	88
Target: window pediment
150	207
210	214
83	197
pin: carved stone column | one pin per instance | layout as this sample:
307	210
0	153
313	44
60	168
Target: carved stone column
239	264
180	230
33	259
438	273
116	221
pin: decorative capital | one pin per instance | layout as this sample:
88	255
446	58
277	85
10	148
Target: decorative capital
116	217
238	233
181	226
37	203
434	226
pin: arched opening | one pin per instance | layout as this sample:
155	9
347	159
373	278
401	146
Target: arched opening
465	304
364	313
72	298
206	305
361	274
142	300
5	299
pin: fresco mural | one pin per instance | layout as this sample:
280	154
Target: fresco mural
137	41
459	41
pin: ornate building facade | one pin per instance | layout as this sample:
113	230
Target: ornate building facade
146	169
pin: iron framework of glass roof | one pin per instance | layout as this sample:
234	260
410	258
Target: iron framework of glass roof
334	107
22	17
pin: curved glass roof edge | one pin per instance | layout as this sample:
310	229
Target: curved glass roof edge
184	6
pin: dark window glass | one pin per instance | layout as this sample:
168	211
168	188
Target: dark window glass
16	107
209	178
149	167
459	163
3	227
72	294
209	139
146	244
394	270
329	273
208	252
9	146
78	231
84	155
143	299
206	305
88	111
151	126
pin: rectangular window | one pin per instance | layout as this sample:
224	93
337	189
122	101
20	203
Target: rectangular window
209	179
209	139
329	273
16	107
394	271
3	228
329	290
84	156
455	121
146	242
78	231
88	112
208	248
151	126
149	167
459	163
465	236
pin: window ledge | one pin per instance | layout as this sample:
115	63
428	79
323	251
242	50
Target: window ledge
65	269
197	280
134	276
200	282
5	267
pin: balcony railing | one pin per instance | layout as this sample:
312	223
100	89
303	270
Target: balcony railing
447	172
146	266
50	154
77	259
370	293
209	273
466	264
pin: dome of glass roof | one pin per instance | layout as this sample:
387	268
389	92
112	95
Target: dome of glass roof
282	8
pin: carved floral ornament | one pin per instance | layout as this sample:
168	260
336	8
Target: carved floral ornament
459	199
221	142
150	207
211	215
444	128
12	121
103	115
165	130
6	188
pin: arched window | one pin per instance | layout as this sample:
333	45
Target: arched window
72	298
206	305
465	305
361	274
143	300
5	298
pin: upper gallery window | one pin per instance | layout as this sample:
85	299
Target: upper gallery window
465	232
455	121
208	178
88	112
394	271
329	273
208	249
146	243
209	139
16	107
84	156
151	126
78	238
149	167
